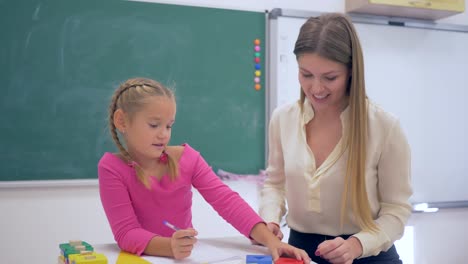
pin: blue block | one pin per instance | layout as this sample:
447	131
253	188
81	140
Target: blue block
259	259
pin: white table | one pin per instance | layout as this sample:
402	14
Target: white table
228	250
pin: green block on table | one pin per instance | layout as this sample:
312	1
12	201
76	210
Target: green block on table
74	248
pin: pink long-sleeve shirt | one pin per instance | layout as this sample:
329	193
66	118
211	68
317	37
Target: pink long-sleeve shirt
136	214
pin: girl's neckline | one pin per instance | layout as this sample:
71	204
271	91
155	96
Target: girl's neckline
132	163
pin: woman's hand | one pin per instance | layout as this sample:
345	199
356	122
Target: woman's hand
340	251
182	242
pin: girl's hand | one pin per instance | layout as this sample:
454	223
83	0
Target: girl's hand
340	251
265	236
279	249
182	242
275	229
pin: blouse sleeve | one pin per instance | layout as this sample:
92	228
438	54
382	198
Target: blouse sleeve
394	187
128	233
272	204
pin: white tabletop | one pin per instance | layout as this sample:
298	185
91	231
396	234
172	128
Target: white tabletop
228	250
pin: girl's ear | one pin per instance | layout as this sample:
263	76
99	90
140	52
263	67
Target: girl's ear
119	120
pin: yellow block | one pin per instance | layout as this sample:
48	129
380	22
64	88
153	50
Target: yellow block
87	258
127	258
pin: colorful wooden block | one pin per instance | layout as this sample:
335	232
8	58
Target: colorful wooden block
285	260
74	247
128	258
87	258
258	259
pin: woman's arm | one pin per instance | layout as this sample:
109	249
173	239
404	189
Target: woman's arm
272	202
394	187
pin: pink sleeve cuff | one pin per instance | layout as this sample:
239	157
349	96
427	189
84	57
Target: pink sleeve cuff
136	241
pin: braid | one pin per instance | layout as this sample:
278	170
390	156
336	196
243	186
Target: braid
113	130
112	108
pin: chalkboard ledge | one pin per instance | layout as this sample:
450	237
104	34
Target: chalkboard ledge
48	183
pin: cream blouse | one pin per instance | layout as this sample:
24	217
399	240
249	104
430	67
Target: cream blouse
313	195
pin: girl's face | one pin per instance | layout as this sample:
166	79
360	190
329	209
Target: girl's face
148	131
323	81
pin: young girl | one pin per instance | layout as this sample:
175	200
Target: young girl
149	182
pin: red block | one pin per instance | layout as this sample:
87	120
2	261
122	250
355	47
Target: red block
283	260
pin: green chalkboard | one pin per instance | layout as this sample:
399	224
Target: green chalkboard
60	61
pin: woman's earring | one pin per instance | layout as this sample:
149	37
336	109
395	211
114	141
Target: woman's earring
164	158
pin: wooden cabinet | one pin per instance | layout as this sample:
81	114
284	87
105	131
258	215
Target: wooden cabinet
421	9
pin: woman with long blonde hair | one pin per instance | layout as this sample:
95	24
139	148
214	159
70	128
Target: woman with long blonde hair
338	161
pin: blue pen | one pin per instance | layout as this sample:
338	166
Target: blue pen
171	226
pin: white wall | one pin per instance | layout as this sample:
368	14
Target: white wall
34	221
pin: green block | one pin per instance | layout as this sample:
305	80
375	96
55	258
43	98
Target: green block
66	249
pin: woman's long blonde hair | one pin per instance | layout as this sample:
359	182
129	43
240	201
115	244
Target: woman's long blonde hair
334	37
130	97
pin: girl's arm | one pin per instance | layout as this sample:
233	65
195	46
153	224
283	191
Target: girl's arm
178	246
236	211
115	199
263	235
127	230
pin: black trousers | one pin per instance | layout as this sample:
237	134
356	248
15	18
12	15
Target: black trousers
310	242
